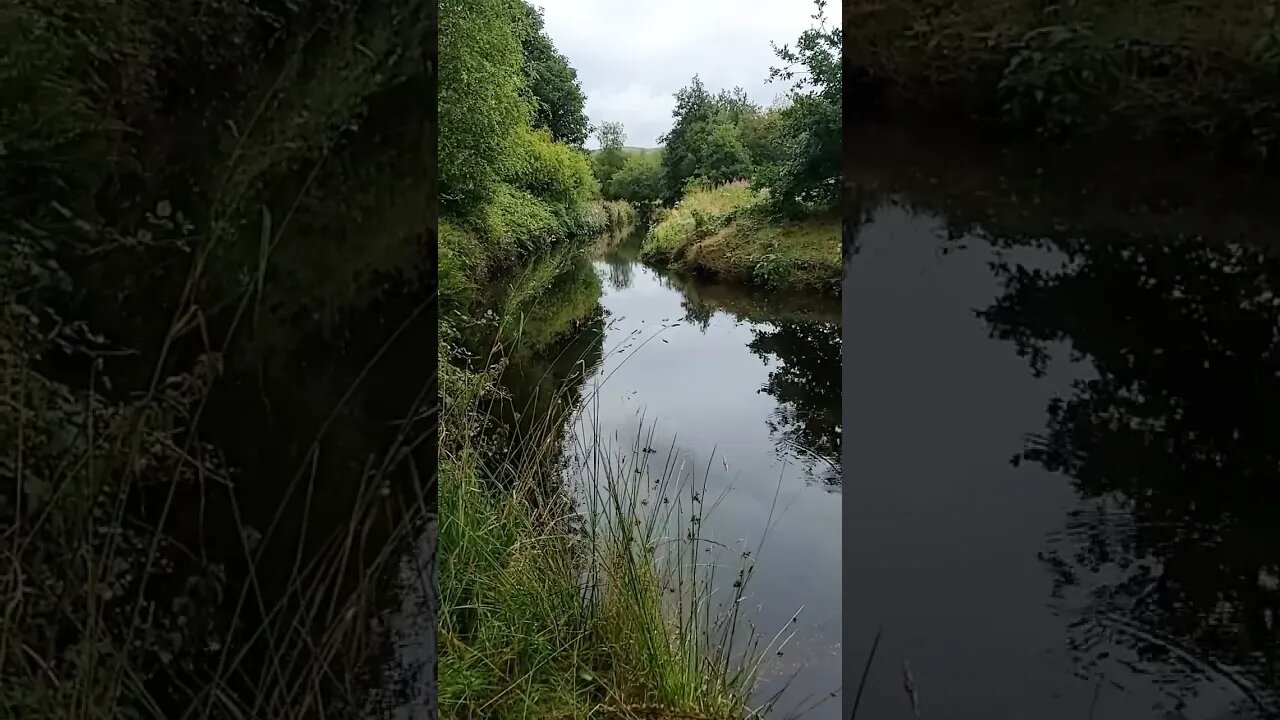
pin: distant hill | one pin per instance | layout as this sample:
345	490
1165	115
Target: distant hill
634	150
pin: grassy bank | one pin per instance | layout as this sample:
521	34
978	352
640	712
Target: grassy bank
598	608
536	618
1195	69
726	232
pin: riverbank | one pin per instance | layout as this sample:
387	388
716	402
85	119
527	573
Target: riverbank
1185	73
552	606
725	233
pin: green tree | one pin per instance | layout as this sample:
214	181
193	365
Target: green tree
639	181
694	106
482	100
558	101
722	156
610	158
762	134
705	141
809	173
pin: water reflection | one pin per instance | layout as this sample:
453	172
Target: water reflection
805	380
741	387
796	335
545	331
1142	307
1176	442
620	259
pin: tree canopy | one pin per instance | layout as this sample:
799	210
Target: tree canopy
808	172
792	151
558	101
639	180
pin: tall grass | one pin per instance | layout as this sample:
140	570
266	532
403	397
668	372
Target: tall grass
131	583
729	233
585	593
700	213
107	613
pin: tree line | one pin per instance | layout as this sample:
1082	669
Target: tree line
792	150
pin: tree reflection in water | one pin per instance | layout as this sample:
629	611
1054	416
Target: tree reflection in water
801	336
806	384
1175	444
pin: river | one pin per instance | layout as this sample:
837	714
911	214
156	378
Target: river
1061	478
745	383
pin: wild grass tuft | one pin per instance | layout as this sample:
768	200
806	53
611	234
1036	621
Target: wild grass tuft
587	594
727	233
699	213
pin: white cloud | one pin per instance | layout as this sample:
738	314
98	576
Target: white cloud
632	57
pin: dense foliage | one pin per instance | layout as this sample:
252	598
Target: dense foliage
1194	71
807	174
552	82
513	177
639	180
181	182
704	141
792	151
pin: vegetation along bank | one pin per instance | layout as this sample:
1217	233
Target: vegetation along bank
1196	73
536	618
212	227
212	217
743	193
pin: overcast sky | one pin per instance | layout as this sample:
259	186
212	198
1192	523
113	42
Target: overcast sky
633	56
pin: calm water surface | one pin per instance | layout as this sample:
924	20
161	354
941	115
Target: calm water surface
746	383
1062	473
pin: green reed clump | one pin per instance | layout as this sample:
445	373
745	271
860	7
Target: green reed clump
590	596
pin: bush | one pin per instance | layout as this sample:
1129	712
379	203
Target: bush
482	101
516	224
554	172
639	180
461	262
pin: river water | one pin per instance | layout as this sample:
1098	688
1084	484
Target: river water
1061	477
744	383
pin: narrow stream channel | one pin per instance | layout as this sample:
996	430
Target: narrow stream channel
754	377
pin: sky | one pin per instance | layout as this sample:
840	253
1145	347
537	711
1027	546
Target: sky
632	57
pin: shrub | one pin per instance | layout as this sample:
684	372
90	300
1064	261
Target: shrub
516	224
483	108
554	172
461	262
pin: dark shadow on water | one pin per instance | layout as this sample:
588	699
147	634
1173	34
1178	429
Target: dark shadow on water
1130	467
